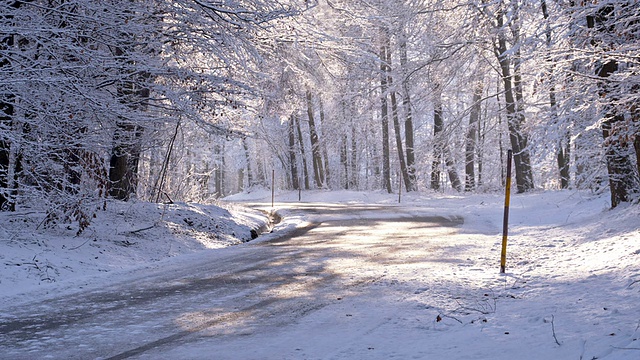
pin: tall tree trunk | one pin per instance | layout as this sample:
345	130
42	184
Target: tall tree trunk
472	135
10	160
7	200
396	124
218	172
262	173
303	154
353	180
503	173
344	161
635	114
325	152
205	179
293	163
126	151
636	145
622	176
563	160
408	120
123	166
482	130
398	136
441	149
384	112
563	154
514	109
451	170
247	155
438	142
318	171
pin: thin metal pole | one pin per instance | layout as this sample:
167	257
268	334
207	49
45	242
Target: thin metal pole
505	222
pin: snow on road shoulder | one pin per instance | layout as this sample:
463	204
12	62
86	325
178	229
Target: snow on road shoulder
572	281
570	292
126	235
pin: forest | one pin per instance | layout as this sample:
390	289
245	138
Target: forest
194	100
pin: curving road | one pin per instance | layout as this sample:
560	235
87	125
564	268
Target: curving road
245	301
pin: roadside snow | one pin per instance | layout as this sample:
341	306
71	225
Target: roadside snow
570	292
126	235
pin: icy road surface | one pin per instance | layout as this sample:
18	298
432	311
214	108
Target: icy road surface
317	292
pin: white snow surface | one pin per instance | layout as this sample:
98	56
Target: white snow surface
571	289
125	237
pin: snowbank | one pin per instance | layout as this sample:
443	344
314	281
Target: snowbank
124	236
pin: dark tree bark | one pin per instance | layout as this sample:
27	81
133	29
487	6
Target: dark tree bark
472	135
622	176
399	146
123	166
636	145
7	201
480	148
563	152
623	180
635	113
249	171
384	113
293	162
316	155
514	110
344	162
441	150
396	124
325	153
452	172
438	128
125	155
10	164
408	120
218	171
353	180
303	154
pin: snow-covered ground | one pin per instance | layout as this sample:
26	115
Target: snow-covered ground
571	289
125	236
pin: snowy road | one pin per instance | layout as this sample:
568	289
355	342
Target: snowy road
309	294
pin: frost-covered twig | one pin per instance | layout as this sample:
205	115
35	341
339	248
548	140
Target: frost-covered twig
79	246
553	330
143	229
448	316
484	308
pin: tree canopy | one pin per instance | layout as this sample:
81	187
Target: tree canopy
192	99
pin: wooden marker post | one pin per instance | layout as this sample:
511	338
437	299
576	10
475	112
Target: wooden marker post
505	222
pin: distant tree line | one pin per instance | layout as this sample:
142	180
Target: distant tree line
194	99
